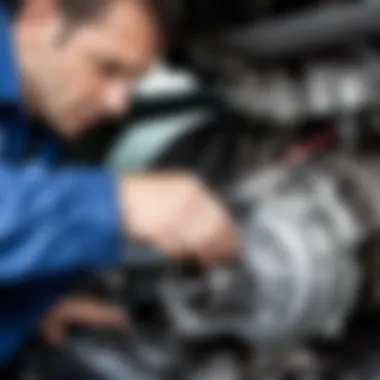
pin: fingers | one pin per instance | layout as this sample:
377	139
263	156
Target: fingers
95	313
210	234
178	215
80	312
54	336
202	230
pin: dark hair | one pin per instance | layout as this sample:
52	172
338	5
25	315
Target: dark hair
78	11
83	10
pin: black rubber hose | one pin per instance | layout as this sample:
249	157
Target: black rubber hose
308	31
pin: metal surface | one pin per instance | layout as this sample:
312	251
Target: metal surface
298	276
308	31
300	244
322	90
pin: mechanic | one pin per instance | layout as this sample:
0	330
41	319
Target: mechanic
72	63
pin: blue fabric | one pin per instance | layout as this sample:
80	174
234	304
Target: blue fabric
54	224
9	85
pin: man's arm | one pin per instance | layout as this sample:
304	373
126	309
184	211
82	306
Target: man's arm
56	222
62	221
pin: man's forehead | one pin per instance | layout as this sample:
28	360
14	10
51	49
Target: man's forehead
127	32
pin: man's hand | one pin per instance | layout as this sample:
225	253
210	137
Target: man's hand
178	215
85	312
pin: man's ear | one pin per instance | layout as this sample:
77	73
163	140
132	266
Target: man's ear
38	10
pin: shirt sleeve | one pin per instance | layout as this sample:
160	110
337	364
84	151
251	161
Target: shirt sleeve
54	223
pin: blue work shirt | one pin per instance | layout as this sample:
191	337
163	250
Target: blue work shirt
54	223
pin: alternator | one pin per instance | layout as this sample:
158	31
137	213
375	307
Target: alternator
299	274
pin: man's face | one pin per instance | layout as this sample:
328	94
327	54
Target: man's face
76	76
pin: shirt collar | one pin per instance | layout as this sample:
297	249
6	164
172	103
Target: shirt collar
9	79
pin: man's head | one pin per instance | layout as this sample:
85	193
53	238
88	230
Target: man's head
79	59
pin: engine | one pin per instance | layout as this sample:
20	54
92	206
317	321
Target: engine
302	273
299	273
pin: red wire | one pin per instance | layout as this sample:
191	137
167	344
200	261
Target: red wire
304	149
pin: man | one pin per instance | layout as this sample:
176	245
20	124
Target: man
71	63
